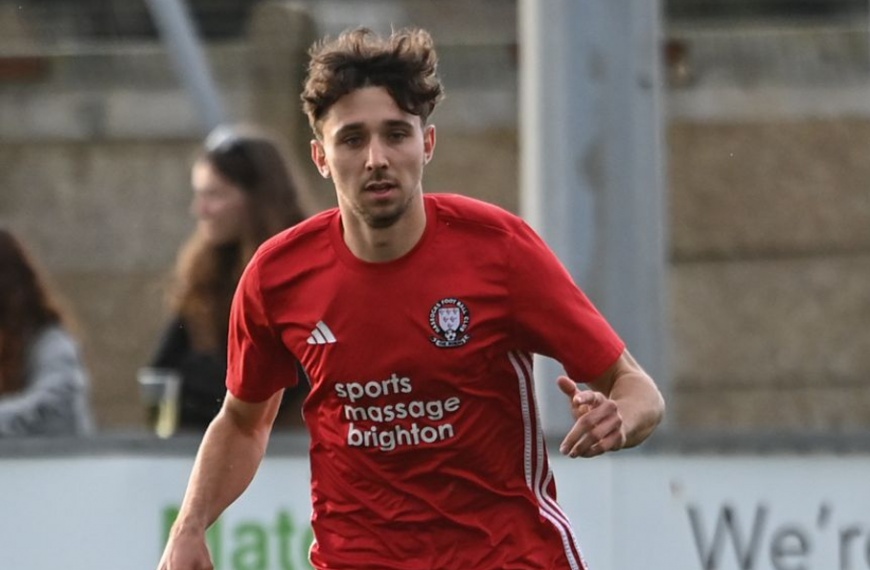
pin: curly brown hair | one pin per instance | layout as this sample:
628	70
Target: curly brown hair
206	275
405	64
26	307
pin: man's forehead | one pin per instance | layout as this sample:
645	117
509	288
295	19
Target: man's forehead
366	108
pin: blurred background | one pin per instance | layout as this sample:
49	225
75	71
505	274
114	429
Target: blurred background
765	132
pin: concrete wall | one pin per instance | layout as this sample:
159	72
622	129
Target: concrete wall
771	273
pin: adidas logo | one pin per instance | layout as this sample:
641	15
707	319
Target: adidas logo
321	334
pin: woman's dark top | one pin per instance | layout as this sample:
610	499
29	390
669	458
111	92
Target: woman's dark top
203	377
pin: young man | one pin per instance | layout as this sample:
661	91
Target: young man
416	318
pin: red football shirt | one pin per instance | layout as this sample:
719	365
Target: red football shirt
426	447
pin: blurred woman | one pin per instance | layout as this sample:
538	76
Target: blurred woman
243	193
43	382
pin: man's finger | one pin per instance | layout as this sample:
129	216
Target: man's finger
568	386
587	398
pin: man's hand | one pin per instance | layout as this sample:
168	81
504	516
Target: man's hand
598	425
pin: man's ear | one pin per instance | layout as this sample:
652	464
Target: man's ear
428	143
318	156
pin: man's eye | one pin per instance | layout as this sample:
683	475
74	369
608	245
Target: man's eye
352	141
398	136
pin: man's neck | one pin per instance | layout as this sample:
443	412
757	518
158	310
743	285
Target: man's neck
378	245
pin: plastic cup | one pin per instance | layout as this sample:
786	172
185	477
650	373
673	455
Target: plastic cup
159	390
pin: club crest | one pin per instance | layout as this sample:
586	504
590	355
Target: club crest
449	319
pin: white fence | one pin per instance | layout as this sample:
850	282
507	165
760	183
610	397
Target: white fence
631	511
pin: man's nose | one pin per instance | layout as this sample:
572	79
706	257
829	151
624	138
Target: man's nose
377	155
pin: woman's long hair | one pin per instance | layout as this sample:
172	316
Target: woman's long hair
26	307
206	275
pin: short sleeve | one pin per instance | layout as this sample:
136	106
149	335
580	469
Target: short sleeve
553	315
258	363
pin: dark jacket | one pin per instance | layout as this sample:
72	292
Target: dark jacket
203	380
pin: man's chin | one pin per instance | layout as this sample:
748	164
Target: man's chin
383	221
385	214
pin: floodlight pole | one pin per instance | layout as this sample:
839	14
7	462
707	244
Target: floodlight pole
592	167
188	57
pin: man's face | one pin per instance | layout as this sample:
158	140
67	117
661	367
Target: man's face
374	152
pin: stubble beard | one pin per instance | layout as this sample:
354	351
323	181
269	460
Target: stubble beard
379	218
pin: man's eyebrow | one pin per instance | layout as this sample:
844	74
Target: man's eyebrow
348	128
392	123
359	126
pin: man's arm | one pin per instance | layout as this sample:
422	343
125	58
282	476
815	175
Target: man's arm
229	455
621	410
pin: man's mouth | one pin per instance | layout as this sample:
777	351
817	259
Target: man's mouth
380	187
